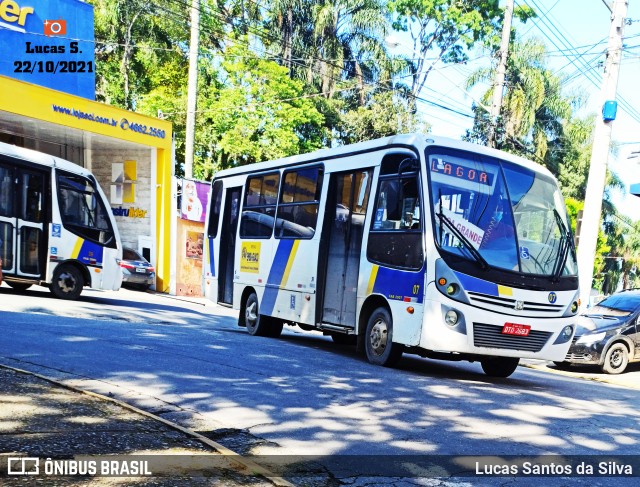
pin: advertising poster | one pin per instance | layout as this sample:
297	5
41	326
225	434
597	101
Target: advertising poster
194	200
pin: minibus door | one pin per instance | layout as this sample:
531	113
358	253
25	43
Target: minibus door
22	216
343	231
228	236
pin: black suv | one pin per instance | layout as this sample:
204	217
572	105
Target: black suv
608	334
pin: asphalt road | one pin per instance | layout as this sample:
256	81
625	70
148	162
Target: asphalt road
303	394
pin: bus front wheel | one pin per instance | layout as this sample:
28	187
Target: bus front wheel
379	344
67	282
499	366
257	324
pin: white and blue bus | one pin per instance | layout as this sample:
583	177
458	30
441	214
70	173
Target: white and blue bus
56	227
410	243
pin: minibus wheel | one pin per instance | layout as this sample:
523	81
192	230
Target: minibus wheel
67	282
499	366
257	324
378	338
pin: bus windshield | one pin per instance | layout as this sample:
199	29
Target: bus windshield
500	214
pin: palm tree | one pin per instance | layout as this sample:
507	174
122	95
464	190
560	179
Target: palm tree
324	42
534	109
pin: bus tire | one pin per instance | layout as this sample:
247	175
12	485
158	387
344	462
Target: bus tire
499	366
274	326
18	286
67	282
379	345
257	324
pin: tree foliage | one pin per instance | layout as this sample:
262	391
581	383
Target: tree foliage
445	30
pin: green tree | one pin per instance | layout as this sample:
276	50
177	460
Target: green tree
324	42
445	30
385	114
534	110
569	155
134	38
252	111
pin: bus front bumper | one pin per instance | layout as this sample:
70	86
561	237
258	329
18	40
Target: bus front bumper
481	332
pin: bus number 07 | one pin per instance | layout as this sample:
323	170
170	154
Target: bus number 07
416	288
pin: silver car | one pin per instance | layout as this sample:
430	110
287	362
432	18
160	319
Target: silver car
136	270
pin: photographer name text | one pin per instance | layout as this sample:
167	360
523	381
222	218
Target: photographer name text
613	469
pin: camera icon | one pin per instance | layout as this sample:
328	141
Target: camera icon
23	466
55	27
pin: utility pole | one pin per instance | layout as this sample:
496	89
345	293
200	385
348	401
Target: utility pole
498	85
600	153
192	90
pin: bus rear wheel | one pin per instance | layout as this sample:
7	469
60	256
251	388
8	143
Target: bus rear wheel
67	282
499	366
257	324
379	345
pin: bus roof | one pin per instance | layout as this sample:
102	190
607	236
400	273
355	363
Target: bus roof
41	158
415	139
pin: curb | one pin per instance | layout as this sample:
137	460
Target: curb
223	450
577	375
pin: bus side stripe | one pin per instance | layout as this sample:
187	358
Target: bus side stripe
372	278
292	257
76	248
276	275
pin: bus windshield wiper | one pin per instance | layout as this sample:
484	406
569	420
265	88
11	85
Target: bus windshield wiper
472	250
563	249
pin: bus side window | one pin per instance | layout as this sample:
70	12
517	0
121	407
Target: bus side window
259	207
395	238
298	203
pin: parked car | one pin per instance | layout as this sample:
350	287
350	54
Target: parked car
137	271
608	334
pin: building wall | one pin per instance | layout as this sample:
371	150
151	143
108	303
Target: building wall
190	240
134	219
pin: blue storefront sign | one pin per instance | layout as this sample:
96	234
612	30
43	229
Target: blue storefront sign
49	43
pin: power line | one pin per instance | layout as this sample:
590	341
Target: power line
587	70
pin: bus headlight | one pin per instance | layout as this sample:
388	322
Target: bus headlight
565	335
451	318
452	289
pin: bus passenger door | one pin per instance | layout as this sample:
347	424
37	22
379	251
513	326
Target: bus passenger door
22	216
228	236
342	241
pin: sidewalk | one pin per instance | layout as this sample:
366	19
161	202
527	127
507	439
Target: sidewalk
42	419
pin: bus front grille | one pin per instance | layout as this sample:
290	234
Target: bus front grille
491	336
480	299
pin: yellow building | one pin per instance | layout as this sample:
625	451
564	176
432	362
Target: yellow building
130	154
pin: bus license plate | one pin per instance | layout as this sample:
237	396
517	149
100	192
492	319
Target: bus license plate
139	269
516	329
